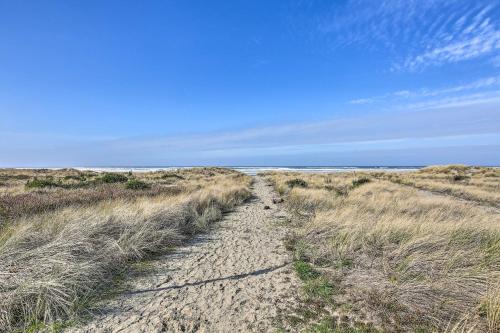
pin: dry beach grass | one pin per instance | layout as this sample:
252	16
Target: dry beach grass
373	251
59	254
468	183
413	251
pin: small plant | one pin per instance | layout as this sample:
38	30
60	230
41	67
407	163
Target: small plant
134	184
330	325
41	183
20	177
458	177
319	288
360	181
315	286
297	182
305	270
113	178
79	177
171	175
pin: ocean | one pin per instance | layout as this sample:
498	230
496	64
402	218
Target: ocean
253	170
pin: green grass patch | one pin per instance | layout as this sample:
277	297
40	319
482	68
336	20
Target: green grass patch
315	285
305	271
329	325
319	288
134	184
55	327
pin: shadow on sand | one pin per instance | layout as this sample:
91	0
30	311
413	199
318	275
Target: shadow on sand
231	277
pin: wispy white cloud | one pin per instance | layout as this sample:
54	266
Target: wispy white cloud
482	84
364	145
457	101
477	45
418	33
362	101
471	34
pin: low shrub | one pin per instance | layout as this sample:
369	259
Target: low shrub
113	178
297	182
41	183
458	177
171	175
360	181
80	177
134	184
20	177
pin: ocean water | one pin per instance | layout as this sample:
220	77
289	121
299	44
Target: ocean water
323	169
255	170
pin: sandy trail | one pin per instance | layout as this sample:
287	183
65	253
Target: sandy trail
233	279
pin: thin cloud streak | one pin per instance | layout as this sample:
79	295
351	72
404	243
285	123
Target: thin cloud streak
480	84
476	46
371	145
420	34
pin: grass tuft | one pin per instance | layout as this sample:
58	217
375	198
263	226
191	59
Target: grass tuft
305	271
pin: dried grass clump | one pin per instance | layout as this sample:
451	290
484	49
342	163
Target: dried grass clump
479	184
54	264
56	189
15	206
402	258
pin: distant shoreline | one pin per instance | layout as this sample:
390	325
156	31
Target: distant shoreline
250	170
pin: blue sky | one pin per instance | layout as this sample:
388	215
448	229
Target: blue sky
108	83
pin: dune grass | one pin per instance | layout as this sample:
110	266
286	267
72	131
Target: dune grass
399	258
54	263
469	183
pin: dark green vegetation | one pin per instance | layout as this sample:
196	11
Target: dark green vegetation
310	316
360	181
134	184
297	182
41	183
110	178
305	271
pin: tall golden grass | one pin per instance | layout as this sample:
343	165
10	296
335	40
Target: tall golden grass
400	258
468	183
53	264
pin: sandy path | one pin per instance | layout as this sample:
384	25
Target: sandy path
233	279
